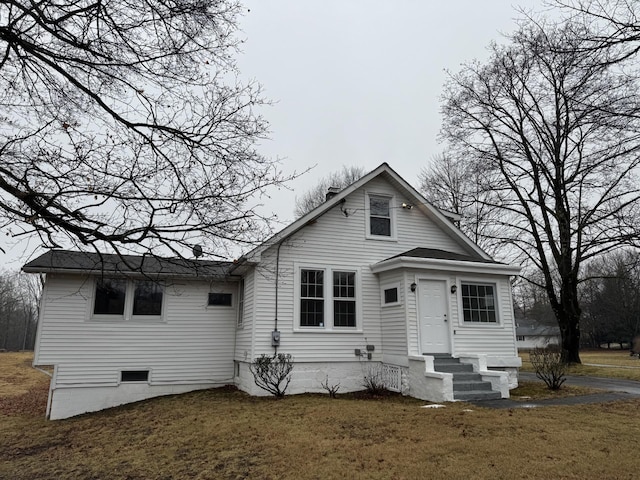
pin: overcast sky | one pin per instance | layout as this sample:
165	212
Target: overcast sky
359	82
355	82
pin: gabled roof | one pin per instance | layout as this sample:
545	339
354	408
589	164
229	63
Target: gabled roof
442	219
66	261
531	327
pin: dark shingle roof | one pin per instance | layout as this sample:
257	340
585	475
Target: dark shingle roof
441	255
84	262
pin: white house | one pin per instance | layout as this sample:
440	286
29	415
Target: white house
530	334
374	278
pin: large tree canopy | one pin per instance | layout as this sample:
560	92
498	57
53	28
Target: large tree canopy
554	128
124	125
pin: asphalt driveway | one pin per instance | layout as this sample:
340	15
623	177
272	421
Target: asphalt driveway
613	389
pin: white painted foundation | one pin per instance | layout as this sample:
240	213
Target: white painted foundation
308	377
71	401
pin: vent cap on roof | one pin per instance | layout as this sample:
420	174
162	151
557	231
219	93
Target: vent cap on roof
332	192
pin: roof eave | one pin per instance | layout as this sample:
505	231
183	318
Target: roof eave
441	264
94	271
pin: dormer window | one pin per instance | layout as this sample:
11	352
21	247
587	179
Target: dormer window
380	221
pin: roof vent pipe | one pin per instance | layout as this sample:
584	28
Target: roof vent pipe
332	192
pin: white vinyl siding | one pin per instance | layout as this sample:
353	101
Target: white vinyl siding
338	240
243	345
193	344
486	338
393	317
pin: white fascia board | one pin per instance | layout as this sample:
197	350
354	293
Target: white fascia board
442	265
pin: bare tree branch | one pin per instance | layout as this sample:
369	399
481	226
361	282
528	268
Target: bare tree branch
124	126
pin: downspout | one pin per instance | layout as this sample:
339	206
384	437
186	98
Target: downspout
275	335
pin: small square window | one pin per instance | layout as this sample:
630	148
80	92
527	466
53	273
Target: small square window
391	295
220	299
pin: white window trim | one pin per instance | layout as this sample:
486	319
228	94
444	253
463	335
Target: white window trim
392	215
240	305
327	297
388	286
479	281
135	369
233	301
127	316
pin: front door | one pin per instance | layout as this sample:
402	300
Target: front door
434	324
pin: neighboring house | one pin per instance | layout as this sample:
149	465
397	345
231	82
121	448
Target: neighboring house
530	334
375	278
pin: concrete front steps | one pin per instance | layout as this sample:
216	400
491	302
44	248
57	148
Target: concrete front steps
467	385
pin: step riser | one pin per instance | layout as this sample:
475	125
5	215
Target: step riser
453	368
471	386
475	395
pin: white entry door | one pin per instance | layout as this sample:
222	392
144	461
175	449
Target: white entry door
433	321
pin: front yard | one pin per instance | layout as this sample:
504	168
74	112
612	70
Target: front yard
224	434
600	363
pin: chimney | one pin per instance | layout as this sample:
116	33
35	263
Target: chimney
332	192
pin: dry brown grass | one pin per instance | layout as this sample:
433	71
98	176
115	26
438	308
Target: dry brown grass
225	434
618	364
528	391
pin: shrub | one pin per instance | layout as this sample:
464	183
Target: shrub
332	390
549	366
273	372
374	381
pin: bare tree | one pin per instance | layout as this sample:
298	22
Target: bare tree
457	186
317	195
19	297
613	25
554	128
124	125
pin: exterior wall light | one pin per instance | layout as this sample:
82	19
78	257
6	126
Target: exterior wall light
413	287
454	288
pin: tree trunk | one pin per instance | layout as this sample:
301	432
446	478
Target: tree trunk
570	332
568	313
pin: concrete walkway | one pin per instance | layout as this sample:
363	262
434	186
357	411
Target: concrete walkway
613	389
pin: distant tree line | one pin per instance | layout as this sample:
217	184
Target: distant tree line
611	299
19	296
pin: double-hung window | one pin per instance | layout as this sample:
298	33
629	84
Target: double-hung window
327	298
479	303
312	298
380	217
121	299
344	299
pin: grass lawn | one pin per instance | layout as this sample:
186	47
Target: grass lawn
619	364
225	434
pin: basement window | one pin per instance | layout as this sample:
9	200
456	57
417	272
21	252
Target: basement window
134	376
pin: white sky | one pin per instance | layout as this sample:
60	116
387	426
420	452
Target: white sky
359	82
355	82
